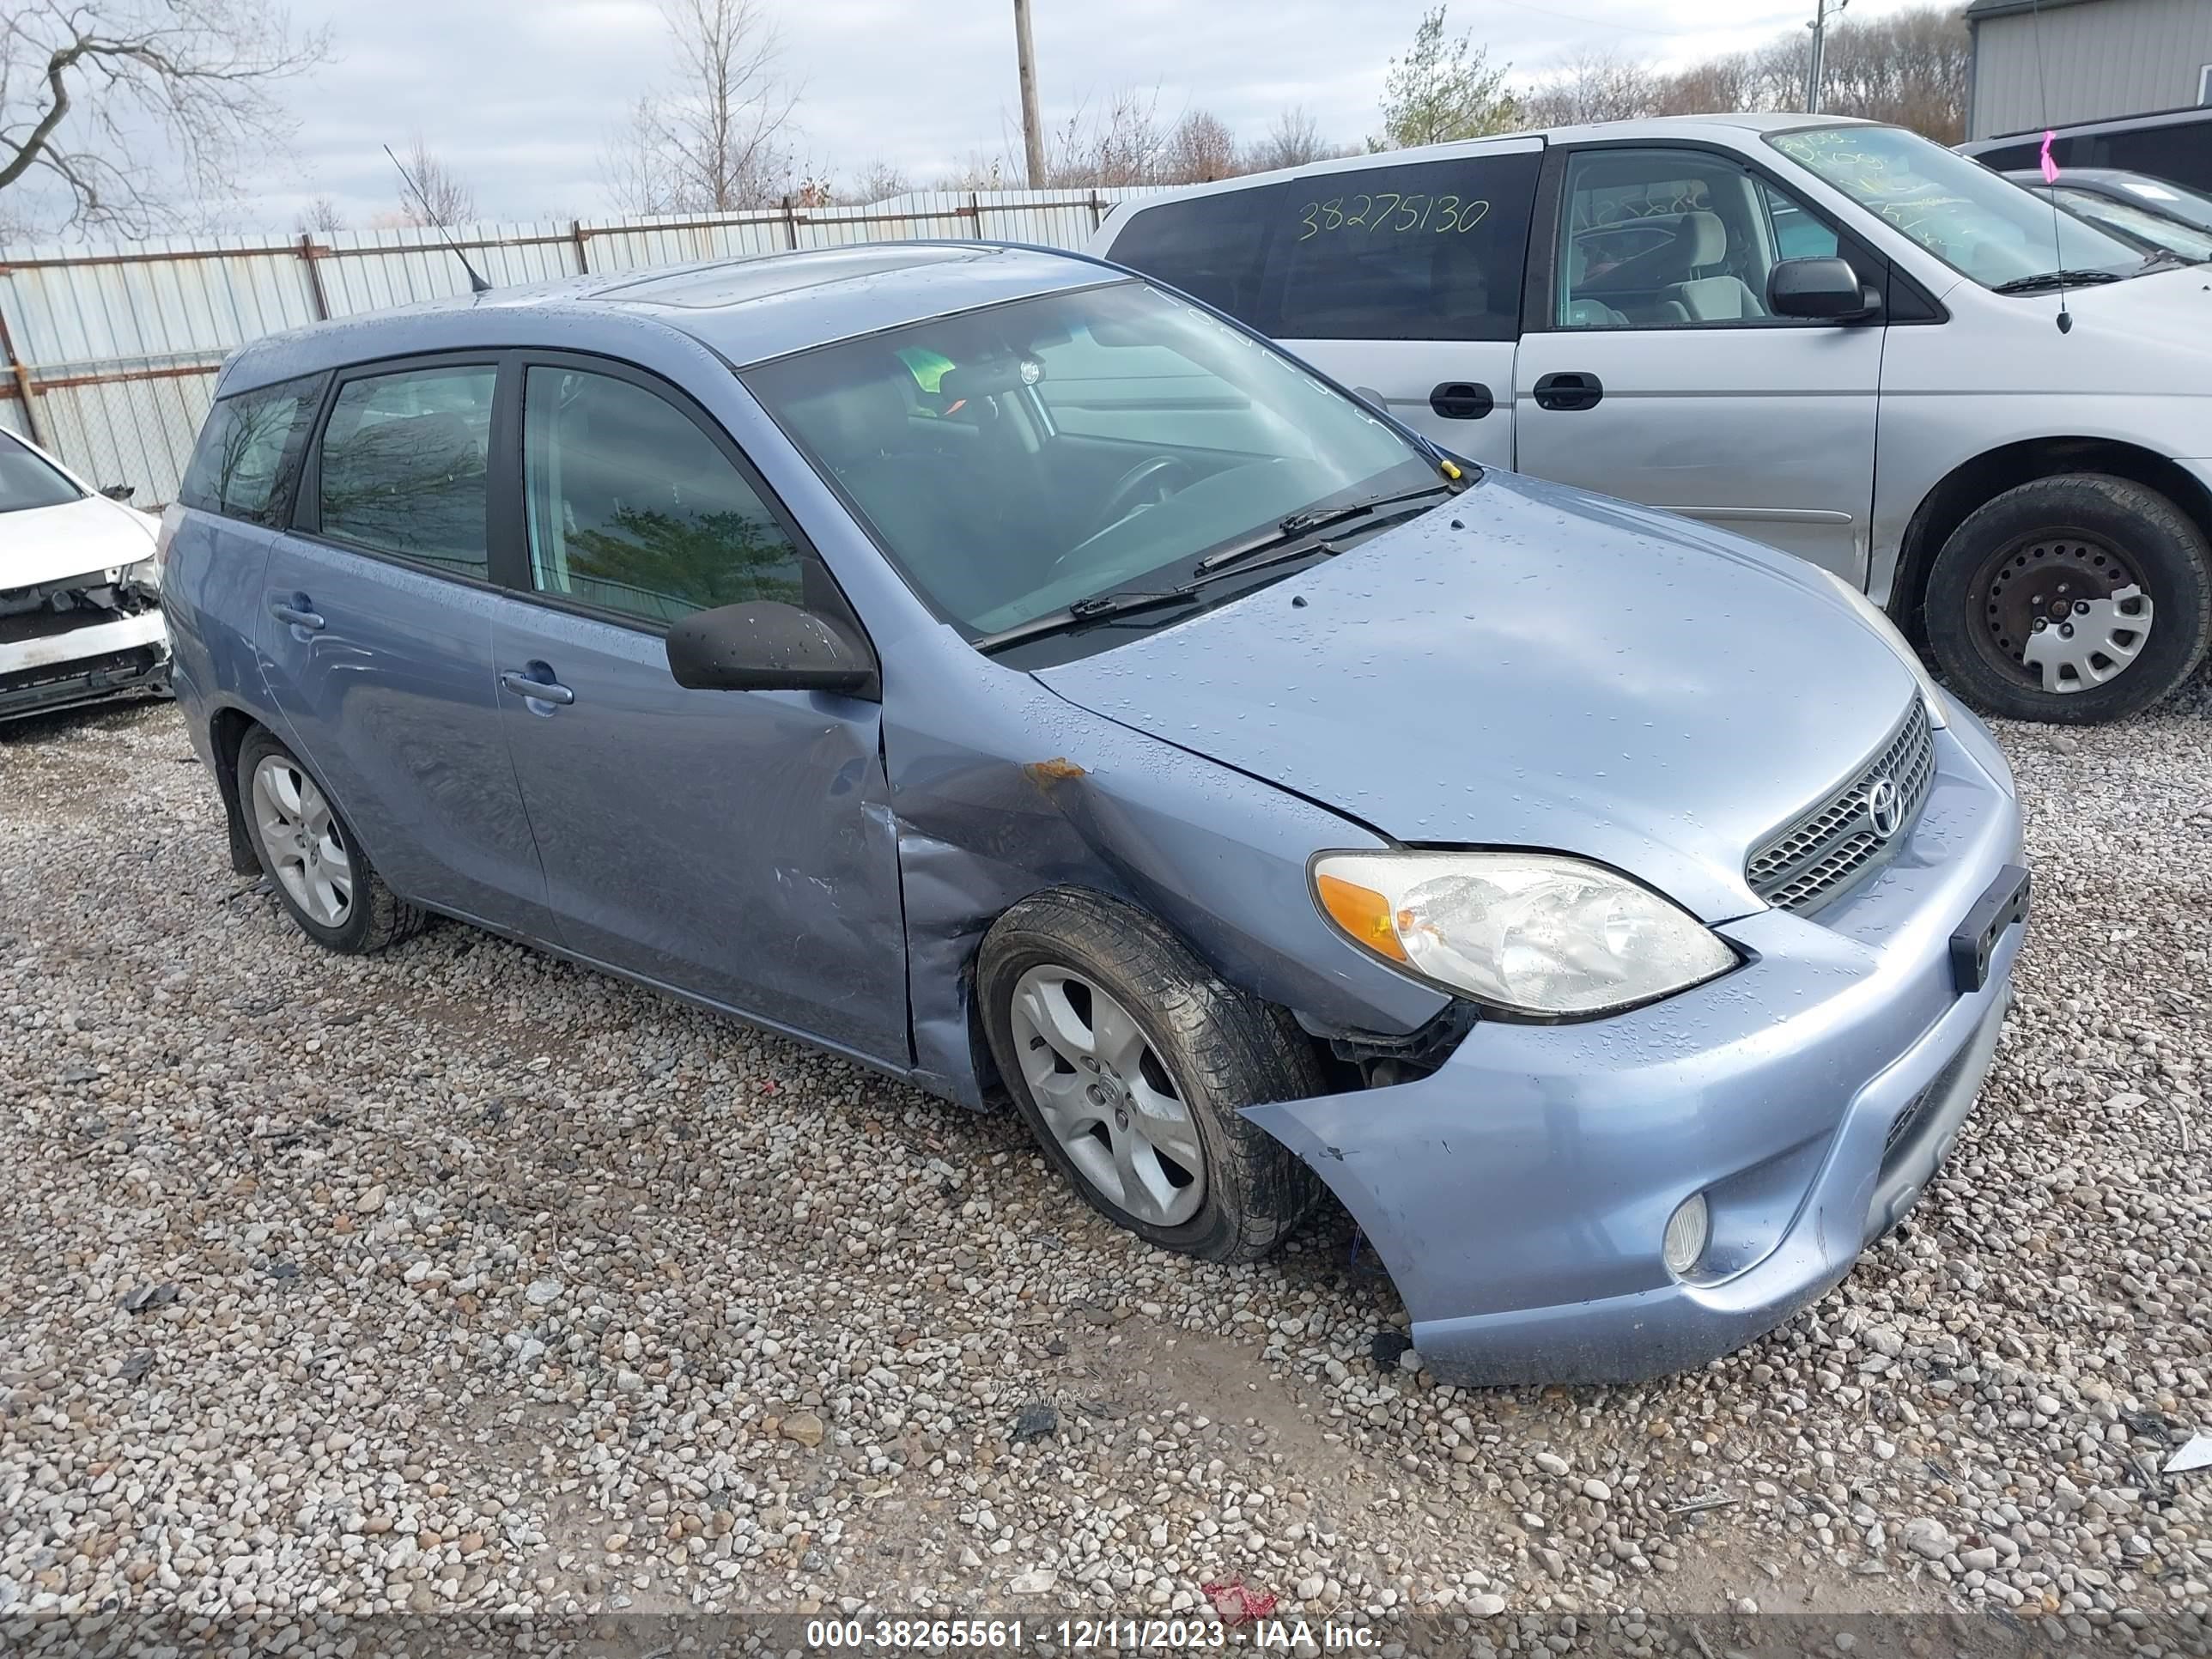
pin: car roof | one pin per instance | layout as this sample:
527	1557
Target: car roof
747	310
1725	128
2187	115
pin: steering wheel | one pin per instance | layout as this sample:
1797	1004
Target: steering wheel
1149	483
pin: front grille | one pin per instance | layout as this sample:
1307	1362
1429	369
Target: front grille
1813	856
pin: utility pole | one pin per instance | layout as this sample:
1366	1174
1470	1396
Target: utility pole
1821	11
1032	133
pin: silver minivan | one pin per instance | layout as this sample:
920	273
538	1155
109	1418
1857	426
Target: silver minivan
1830	335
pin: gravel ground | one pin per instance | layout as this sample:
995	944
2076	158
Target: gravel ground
456	1278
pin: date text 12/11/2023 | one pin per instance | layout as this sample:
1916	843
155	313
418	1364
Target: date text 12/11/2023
986	1635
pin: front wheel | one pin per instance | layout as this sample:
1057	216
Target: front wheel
1130	1061
2073	599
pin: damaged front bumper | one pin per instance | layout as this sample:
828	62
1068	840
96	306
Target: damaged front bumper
1519	1194
82	640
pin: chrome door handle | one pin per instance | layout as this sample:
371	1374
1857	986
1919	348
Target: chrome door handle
296	613
537	690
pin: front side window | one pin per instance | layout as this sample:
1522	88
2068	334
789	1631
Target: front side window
1982	226
27	480
241	466
632	508
1675	239
998	513
403	467
1430	251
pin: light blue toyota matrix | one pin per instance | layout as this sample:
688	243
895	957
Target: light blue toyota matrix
1005	672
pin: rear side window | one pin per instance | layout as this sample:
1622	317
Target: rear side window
402	467
2180	150
1430	251
243	465
1210	247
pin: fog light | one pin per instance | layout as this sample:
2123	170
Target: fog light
1687	1230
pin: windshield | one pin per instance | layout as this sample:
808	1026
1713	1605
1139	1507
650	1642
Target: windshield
1017	460
2148	230
2168	200
27	480
1976	221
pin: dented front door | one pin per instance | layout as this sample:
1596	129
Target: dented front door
732	845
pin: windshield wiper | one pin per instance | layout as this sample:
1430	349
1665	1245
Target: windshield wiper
2164	259
1099	607
1297	525
1287	541
2049	279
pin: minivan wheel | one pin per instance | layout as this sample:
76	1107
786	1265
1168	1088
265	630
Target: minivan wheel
320	872
2075	599
1129	1059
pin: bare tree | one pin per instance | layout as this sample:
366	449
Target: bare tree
636	168
878	181
1293	141
717	139
978	172
97	95
1120	142
1596	85
446	198
321	215
1199	147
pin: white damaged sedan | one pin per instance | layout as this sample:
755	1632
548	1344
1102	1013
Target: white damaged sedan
80	597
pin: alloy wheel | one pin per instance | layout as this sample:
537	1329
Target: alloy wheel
300	837
1107	1097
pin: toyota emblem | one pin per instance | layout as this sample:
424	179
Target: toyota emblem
1882	809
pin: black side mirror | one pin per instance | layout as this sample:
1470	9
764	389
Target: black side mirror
1827	289
120	492
765	645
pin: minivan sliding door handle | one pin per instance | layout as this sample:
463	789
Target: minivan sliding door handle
1568	390
297	611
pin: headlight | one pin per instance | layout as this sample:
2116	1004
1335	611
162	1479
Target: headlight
1876	618
1534	933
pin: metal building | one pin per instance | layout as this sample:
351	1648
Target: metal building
2046	62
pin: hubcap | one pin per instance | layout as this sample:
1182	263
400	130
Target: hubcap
302	840
2063	613
1110	1101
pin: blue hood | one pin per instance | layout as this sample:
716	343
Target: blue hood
1565	672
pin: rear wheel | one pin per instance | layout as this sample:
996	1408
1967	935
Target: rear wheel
1130	1060
323	876
2073	600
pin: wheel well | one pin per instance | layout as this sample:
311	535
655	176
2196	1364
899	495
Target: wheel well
1981	480
227	733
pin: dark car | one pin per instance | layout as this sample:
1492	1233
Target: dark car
2174	144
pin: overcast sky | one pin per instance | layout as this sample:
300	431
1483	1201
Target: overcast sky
519	95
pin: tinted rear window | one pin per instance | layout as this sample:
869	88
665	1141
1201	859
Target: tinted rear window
1209	247
1430	251
249	449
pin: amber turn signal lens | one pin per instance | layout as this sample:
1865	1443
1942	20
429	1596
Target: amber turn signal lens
1361	912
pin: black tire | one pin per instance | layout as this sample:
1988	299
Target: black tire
376	916
2104	532
1223	1049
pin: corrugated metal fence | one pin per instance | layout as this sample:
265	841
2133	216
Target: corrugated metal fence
111	356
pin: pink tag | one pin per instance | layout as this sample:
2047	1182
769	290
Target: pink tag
2049	166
